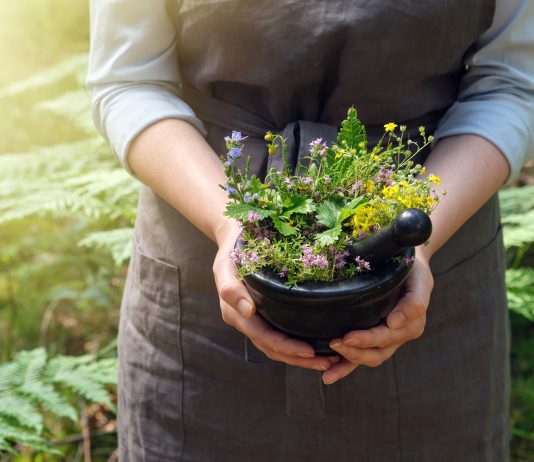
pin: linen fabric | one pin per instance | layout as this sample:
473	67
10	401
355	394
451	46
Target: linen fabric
191	388
135	80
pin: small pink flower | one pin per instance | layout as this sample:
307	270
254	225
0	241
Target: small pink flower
362	265
253	216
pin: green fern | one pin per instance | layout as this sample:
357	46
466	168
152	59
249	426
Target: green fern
520	285
352	131
74	66
32	387
116	241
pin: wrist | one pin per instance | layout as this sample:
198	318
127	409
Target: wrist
424	252
227	229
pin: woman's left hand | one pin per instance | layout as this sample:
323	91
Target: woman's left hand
406	322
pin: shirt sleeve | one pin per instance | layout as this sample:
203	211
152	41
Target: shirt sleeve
496	97
133	69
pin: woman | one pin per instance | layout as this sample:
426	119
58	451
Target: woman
191	388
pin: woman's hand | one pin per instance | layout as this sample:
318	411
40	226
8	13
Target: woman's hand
405	322
238	310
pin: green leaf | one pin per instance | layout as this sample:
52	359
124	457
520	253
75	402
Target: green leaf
329	211
350	208
520	291
352	131
21	410
329	236
241	211
297	204
284	228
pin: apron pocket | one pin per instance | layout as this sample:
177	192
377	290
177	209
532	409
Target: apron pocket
150	361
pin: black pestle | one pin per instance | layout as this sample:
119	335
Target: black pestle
412	227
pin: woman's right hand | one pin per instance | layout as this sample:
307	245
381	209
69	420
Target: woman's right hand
238	310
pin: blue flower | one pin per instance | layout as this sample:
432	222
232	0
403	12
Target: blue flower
246	198
229	162
236	136
230	190
234	153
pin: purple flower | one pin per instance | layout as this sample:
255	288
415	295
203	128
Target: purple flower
384	176
234	153
317	147
236	136
357	186
230	190
282	274
408	261
255	197
327	178
253	216
307	180
236	256
246	198
320	261
229	162
252	256
361	264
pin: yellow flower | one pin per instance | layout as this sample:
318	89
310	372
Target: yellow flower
369	187
430	201
423	170
340	153
363	219
361	145
389	192
389	127
434	179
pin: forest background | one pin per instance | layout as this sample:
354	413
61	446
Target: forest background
66	214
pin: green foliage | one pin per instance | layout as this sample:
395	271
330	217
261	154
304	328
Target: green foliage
520	286
34	388
308	210
352	131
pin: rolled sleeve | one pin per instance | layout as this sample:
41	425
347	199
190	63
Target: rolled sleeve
496	97
133	71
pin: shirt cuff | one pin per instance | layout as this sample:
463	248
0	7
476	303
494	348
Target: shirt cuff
505	123
126	112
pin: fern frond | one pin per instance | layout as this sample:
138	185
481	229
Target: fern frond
118	242
516	200
520	291
86	377
21	409
73	106
73	65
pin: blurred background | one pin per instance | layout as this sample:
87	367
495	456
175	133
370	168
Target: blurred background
66	217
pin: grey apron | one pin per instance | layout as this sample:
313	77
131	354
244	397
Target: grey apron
191	388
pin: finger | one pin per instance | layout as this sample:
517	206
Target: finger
338	371
231	290
371	357
382	336
276	345
415	301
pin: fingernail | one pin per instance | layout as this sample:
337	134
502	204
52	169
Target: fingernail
320	368
397	320
328	379
306	355
336	344
244	307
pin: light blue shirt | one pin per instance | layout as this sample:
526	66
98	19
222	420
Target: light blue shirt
135	79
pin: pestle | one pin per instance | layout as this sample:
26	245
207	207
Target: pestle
412	227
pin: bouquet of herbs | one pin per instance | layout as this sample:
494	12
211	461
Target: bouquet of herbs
299	224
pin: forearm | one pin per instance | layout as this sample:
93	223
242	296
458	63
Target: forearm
471	170
173	159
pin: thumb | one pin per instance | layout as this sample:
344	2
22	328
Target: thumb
231	290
